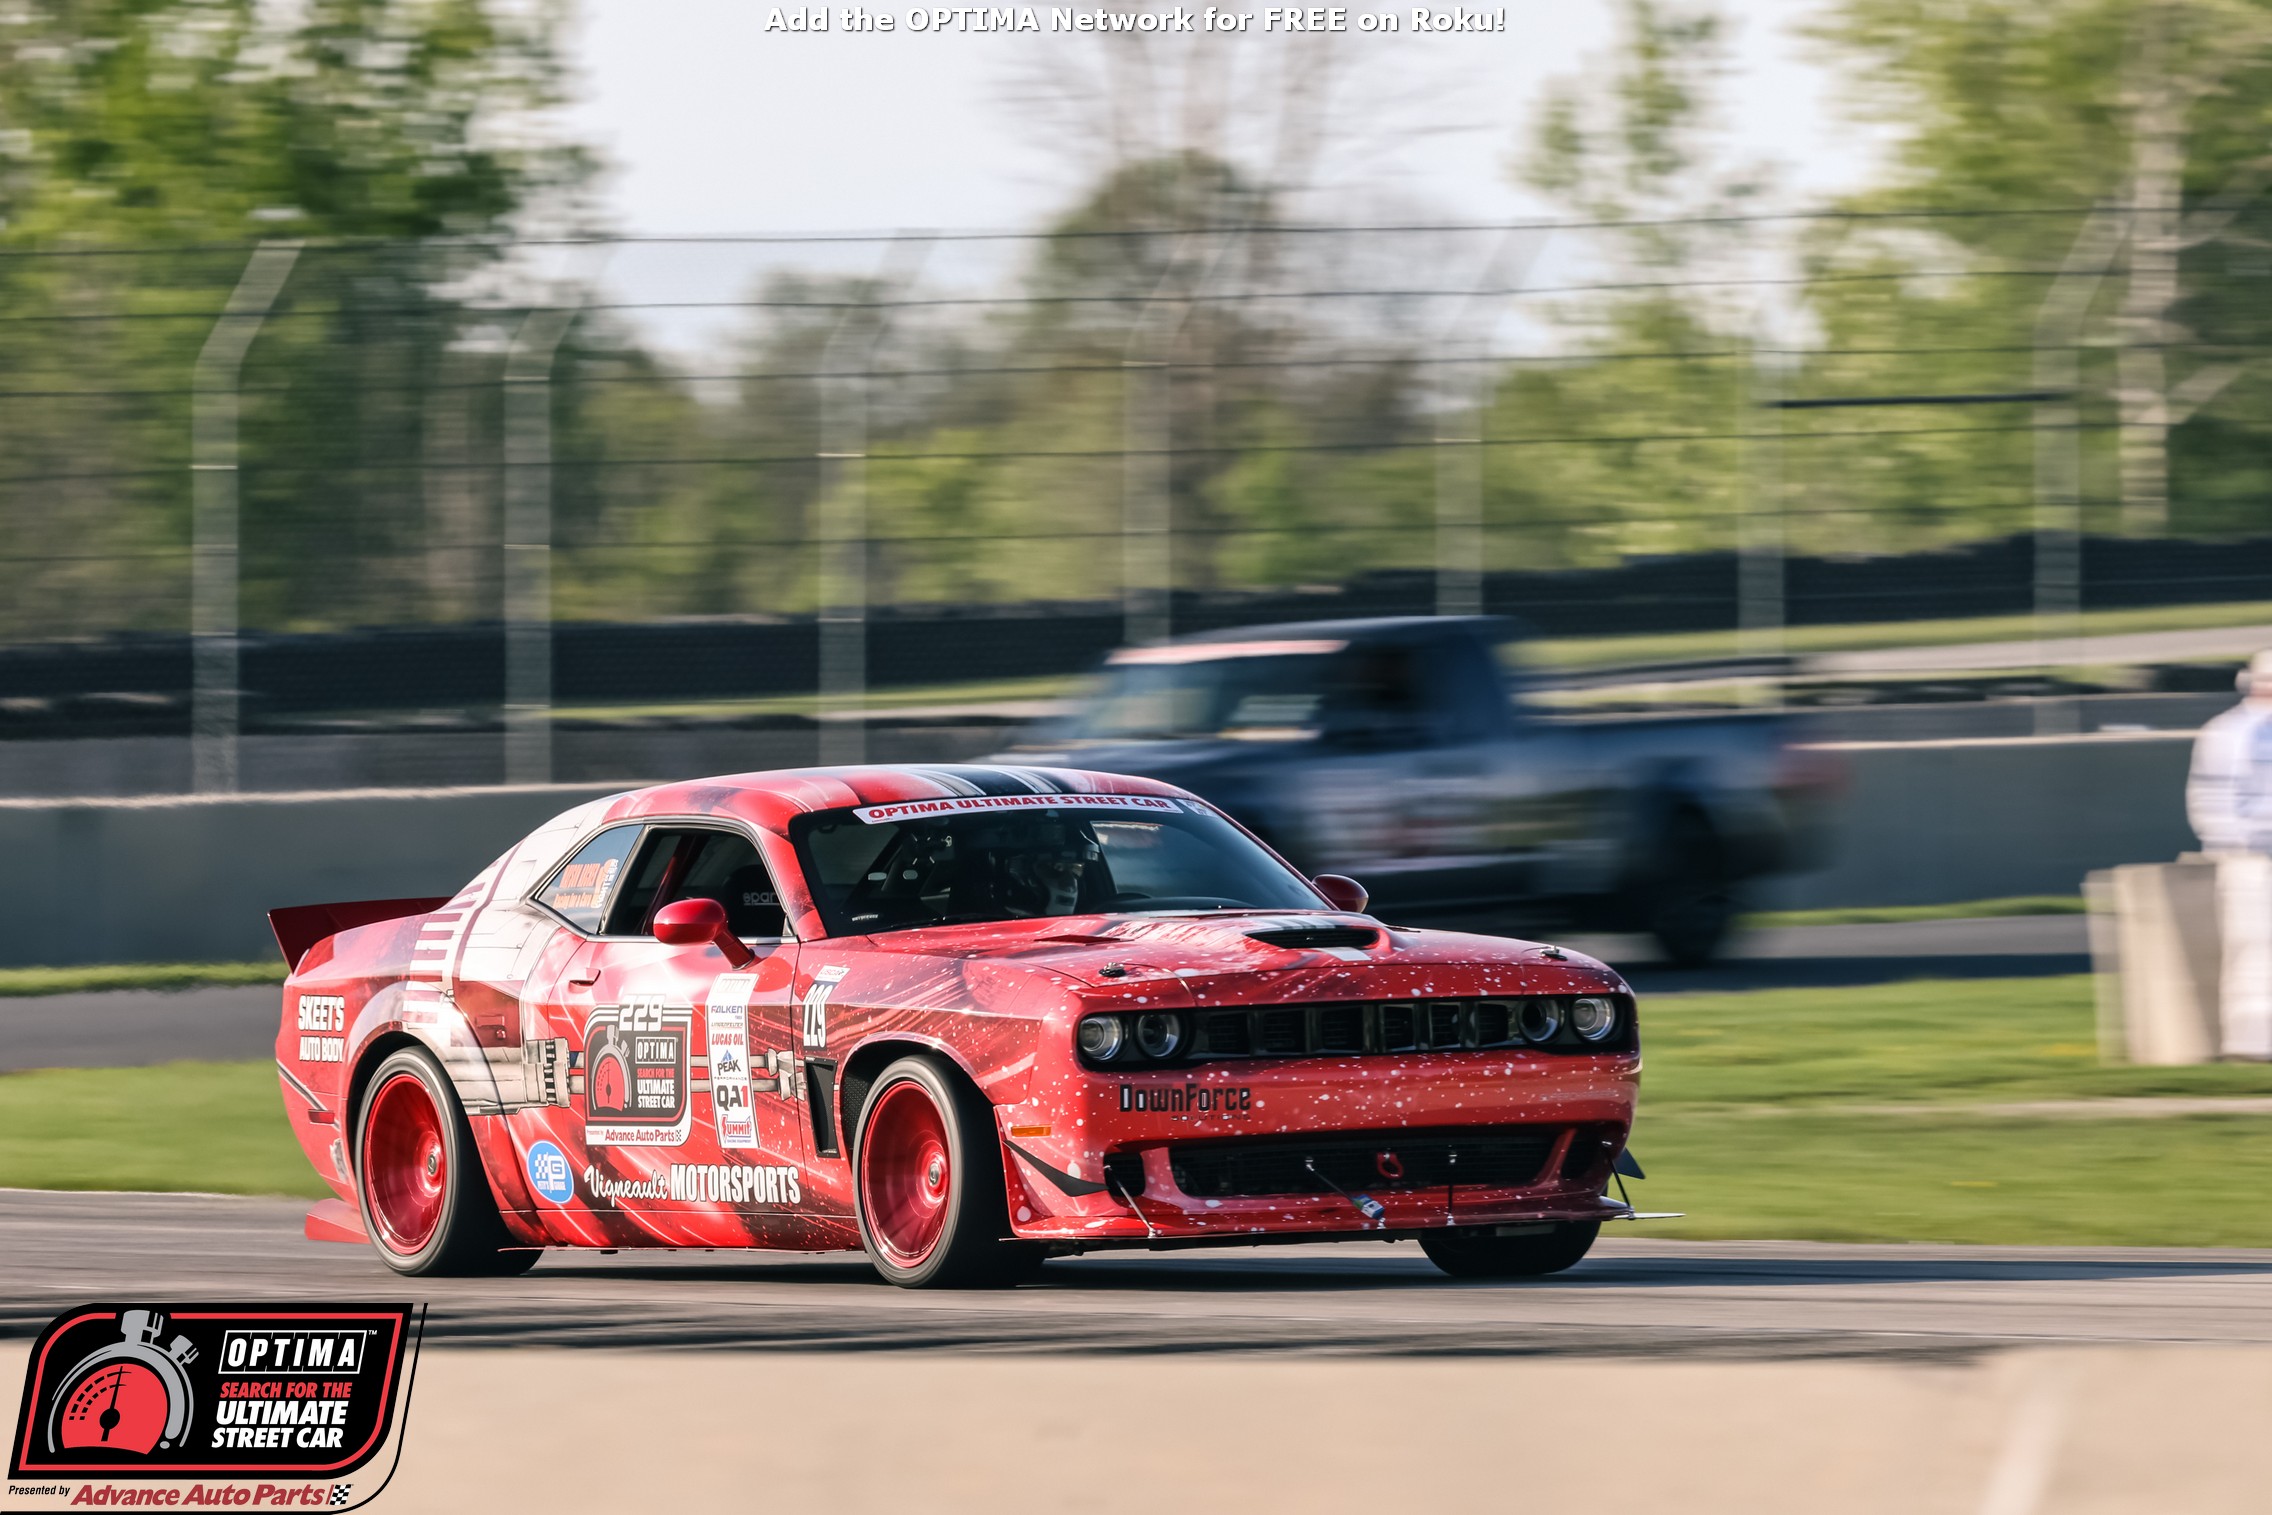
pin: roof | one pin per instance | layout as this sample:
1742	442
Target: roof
1365	628
771	798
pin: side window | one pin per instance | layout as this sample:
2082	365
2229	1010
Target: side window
579	892
679	863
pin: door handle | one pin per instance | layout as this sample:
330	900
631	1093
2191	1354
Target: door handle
581	980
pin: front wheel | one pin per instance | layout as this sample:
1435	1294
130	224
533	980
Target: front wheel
931	1207
425	1200
1690	907
1485	1254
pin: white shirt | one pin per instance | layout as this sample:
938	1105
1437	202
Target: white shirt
2228	795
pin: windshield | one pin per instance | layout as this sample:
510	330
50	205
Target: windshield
1253	697
938	862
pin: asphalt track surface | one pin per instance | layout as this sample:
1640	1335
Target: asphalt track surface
130	1027
1632	1298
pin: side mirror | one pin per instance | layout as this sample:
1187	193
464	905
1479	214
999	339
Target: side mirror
1342	893
691	923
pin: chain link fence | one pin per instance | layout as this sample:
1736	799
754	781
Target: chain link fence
495	490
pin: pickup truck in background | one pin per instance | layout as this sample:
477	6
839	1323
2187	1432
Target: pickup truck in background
1407	753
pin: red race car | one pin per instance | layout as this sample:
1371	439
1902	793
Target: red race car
965	1018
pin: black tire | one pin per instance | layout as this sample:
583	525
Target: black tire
1689	902
967	1205
1480	1253
467	1238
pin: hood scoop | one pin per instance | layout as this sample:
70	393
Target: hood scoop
1298	937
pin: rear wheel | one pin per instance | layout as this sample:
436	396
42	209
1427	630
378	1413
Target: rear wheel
1485	1254
425	1200
931	1205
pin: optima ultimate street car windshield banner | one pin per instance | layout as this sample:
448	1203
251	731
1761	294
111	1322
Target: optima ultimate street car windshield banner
240	1405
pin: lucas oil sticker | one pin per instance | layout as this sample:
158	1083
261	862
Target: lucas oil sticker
636	1079
728	1031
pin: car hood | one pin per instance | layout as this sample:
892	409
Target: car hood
1120	952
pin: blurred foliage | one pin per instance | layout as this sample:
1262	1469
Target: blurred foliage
1292	388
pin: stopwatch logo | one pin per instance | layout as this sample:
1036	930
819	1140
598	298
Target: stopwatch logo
130	1396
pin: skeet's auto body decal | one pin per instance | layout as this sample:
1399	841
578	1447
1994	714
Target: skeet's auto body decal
637	1078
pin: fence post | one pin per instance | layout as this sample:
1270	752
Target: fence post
1460	419
528	543
844	544
2059	449
1147	564
1761	538
214	574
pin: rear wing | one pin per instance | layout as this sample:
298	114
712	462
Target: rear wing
299	927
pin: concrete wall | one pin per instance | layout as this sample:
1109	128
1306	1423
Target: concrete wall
192	880
176	879
1926	822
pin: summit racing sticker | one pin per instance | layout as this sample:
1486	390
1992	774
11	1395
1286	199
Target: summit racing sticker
246	1404
910	810
637	1083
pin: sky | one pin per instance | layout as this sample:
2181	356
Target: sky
710	125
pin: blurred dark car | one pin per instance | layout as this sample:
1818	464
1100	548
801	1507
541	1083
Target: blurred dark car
1408	753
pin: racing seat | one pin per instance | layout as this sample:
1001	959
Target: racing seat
753	905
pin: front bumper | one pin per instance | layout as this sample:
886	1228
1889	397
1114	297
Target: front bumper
1318	1146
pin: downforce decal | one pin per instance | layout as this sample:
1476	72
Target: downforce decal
637	1078
908	810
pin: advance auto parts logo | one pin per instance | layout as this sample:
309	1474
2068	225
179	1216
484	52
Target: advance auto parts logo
215	1393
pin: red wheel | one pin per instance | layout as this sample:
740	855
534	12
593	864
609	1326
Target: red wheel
929	1165
406	1164
425	1199
908	1173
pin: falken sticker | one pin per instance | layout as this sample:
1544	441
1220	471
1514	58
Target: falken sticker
637	1082
908	810
728	1031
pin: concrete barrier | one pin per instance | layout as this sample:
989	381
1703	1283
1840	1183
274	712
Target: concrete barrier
1922	823
192	879
154	880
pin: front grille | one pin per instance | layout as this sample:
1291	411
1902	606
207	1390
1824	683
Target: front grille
1385	1162
1389	1026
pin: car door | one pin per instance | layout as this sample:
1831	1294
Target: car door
682	1077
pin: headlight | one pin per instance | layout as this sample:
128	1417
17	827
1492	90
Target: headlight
1100	1037
1593	1019
1158	1036
1540	1019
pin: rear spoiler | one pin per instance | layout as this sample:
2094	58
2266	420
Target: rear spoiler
299	927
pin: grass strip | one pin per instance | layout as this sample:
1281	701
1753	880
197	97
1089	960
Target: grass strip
29	981
1872	915
209	1126
1823	1176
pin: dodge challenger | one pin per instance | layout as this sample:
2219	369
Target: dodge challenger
961	1018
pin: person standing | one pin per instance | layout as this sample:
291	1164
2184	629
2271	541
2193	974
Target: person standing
2228	798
